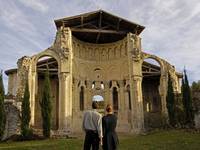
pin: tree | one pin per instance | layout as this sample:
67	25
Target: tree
170	102
2	110
26	113
195	89
187	101
46	107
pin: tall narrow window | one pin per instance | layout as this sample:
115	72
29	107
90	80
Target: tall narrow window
82	98
129	97
115	98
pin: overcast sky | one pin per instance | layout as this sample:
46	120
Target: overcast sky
172	27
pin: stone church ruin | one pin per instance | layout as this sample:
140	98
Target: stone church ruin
96	54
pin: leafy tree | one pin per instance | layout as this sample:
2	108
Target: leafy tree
187	101
26	113
170	102
195	88
46	107
2	110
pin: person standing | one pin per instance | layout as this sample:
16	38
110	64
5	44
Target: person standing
92	125
109	123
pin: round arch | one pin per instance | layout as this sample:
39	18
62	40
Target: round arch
151	85
41	61
158	60
49	53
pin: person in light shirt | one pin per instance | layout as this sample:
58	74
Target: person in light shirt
92	125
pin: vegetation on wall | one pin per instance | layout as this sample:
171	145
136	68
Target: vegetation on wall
46	107
26	114
2	110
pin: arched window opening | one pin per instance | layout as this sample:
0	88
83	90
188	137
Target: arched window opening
93	85
82	98
102	85
49	63
115	98
151	72
148	107
100	100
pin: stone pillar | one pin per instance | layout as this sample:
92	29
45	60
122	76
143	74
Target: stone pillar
88	93
76	97
137	105
163	93
65	102
32	89
121	97
108	99
135	76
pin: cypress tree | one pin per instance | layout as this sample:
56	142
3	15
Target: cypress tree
2	110
170	102
187	101
46	108
26	113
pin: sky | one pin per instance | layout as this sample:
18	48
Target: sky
172	27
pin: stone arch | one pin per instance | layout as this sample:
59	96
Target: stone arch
49	53
156	58
40	67
151	83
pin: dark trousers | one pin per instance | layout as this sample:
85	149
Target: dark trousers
91	139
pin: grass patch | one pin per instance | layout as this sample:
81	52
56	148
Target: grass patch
158	140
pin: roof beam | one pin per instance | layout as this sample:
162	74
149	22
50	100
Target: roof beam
119	20
99	34
46	63
81	21
50	69
84	24
97	31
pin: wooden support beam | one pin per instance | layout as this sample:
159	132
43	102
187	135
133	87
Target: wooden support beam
81	21
97	31
50	69
46	63
84	24
100	22
98	36
100	19
154	73
118	23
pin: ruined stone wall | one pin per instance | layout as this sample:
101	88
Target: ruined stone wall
12	84
12	126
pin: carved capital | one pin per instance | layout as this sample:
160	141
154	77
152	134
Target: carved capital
135	47
63	76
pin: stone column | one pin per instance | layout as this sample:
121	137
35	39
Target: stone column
65	102
162	91
107	94
137	105
76	96
88	94
32	89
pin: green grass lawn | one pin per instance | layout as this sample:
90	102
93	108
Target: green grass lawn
158	140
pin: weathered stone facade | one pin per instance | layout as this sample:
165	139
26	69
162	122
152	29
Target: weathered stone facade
12	125
80	70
